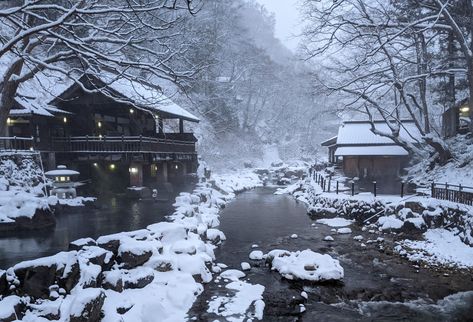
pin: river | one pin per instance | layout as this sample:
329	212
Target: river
376	281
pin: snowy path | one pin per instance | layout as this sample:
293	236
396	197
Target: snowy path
259	220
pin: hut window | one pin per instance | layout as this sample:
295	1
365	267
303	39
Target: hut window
62	179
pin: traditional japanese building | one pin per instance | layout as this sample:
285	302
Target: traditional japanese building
116	132
366	155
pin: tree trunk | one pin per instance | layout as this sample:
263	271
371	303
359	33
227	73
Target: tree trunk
8	89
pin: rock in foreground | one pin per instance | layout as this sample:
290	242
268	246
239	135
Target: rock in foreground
306	265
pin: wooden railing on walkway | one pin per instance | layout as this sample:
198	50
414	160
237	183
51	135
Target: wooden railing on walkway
450	192
121	144
443	191
16	143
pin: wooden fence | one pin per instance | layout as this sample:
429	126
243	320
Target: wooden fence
443	191
455	193
16	143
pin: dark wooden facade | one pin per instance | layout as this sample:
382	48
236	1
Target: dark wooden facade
112	142
373	167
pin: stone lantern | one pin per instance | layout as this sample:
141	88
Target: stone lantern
63	186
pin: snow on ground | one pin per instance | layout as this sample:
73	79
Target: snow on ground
457	171
245	303
305	265
17	203
335	222
439	247
155	272
445	225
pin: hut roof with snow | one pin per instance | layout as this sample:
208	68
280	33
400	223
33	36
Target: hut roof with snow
355	138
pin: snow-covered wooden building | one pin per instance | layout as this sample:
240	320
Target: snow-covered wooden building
366	155
115	131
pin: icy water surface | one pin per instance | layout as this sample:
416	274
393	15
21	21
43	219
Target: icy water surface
113	214
378	285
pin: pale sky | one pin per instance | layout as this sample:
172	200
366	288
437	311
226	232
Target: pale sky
287	19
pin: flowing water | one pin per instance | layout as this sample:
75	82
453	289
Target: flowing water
378	285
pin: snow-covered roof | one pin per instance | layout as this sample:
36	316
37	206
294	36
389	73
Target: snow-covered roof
381	150
36	95
359	132
328	142
31	106
149	98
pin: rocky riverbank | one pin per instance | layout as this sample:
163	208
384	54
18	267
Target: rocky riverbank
428	221
133	276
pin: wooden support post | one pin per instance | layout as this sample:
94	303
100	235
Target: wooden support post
337	187
181	126
352	188
329	182
402	189
432	190
160	125
374	188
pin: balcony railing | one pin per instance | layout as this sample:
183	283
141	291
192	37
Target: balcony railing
122	144
16	143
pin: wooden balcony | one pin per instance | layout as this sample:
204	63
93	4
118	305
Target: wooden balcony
16	143
183	143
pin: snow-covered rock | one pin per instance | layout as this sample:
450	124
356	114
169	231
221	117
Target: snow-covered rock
256	255
328	238
344	230
306	265
335	222
245	266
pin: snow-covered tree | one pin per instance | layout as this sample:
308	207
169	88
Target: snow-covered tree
139	40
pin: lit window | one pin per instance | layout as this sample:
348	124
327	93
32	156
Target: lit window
464	109
9	121
95	164
62	179
132	111
112	166
99	124
64	119
133	170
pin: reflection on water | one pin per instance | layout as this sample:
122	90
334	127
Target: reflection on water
113	215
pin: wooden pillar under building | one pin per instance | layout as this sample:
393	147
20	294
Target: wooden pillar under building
165	172
136	174
160	125
181	126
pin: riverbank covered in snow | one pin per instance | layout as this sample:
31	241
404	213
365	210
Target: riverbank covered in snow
130	276
425	230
